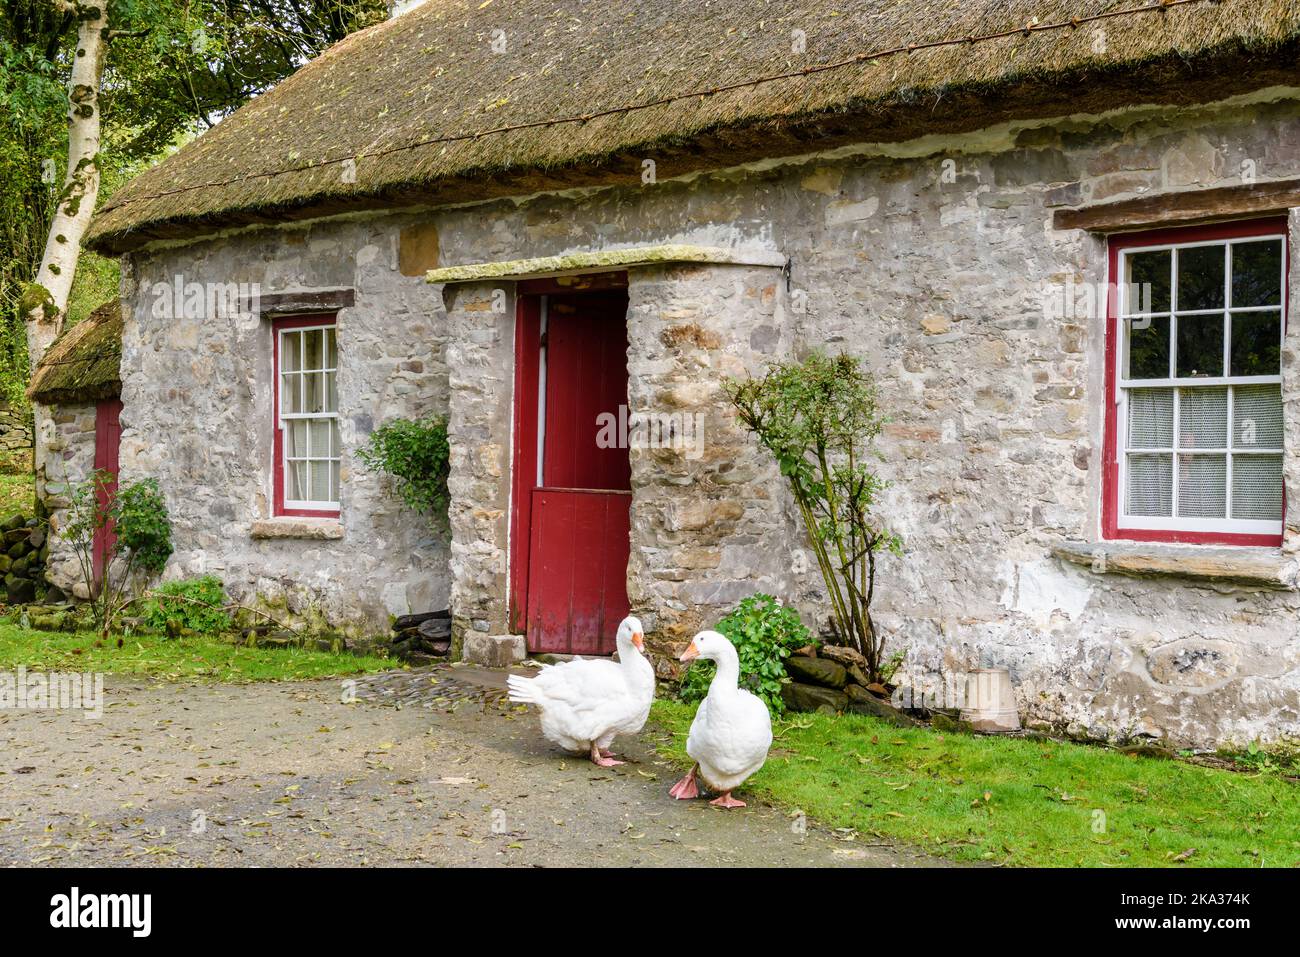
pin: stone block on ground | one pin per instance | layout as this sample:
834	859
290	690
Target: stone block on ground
816	671
842	654
805	697
862	701
494	651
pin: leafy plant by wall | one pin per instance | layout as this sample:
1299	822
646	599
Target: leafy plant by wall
137	514
415	455
191	604
764	632
819	418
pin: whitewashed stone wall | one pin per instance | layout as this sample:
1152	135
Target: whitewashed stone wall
711	523
481	319
69	459
932	260
198	417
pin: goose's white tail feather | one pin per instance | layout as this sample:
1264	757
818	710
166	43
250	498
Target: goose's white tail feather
523	690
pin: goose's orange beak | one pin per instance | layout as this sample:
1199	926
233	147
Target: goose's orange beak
638	641
691	652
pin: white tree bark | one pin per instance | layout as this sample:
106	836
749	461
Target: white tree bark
46	300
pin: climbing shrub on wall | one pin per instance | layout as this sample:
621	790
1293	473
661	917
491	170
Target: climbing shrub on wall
415	455
819	418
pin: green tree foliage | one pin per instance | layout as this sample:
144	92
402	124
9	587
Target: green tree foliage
764	632
174	68
819	418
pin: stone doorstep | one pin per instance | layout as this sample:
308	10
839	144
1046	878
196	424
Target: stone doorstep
493	651
1266	567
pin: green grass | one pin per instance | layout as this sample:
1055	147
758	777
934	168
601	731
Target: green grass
17	494
175	658
1017	801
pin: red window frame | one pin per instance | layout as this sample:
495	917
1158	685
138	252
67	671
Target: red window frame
1117	244
277	326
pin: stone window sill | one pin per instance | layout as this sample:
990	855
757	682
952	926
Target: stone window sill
318	529
1261	567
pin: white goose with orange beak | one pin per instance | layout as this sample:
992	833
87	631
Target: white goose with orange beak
732	731
587	701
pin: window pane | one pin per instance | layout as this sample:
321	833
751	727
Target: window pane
1150	485
1256	346
1151	418
331	392
296	481
320	438
1149	273
295	438
334	481
1200	346
1257	273
290	394
1202	486
290	351
315	391
1203	418
1257	417
1200	277
331	350
1257	487
336	445
320	481
312	349
1148	348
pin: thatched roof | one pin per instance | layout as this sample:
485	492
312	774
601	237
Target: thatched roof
83	364
422	110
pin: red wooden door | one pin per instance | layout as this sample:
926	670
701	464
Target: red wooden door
108	439
578	517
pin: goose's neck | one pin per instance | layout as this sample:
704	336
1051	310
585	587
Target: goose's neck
632	661
728	675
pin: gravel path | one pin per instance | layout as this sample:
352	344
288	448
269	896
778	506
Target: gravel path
422	768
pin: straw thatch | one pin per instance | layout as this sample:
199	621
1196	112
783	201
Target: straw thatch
83	364
422	110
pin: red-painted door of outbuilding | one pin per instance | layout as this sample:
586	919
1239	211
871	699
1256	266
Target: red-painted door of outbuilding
571	521
108	439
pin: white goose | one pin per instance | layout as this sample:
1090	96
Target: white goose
732	730
587	701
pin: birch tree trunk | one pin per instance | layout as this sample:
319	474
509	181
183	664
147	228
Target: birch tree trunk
46	300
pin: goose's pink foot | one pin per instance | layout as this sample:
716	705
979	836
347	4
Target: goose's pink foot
685	789
605	753
727	801
601	759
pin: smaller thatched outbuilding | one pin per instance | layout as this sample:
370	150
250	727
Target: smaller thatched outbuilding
82	365
79	381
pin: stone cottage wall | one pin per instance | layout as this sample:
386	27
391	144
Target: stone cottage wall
934	260
711	524
198	417
70	458
937	262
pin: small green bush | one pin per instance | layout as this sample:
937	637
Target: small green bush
196	604
140	521
417	456
764	632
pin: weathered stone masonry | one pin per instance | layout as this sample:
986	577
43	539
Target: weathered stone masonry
198	417
931	259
